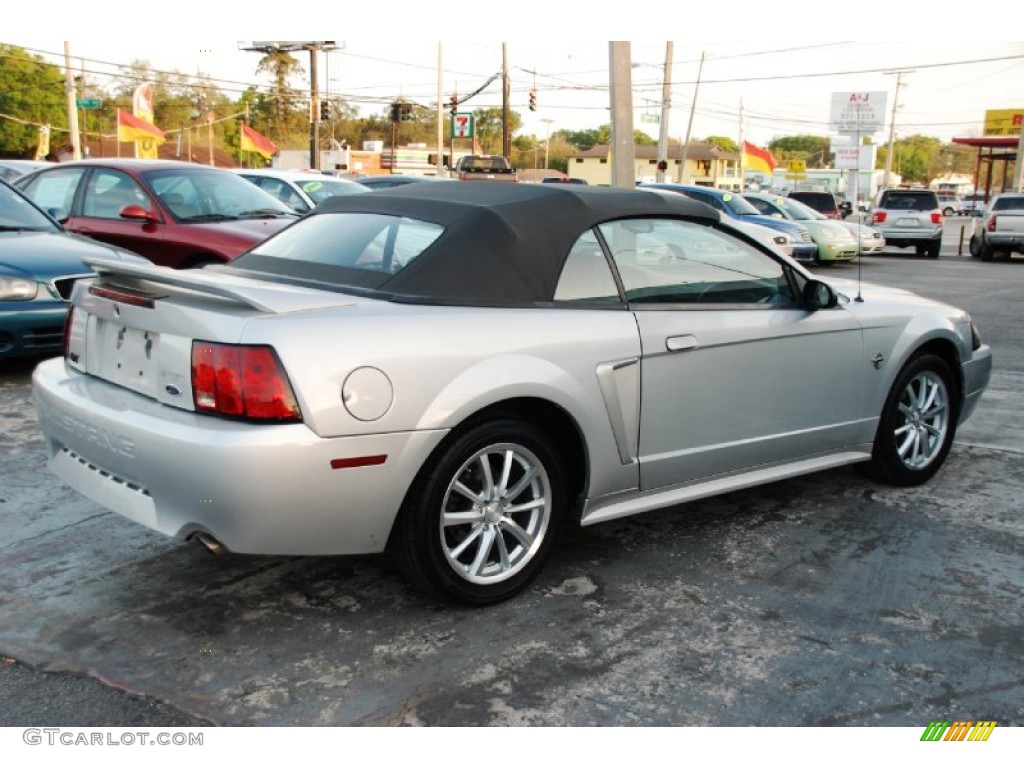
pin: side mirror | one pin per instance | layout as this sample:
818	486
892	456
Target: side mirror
136	212
59	214
818	295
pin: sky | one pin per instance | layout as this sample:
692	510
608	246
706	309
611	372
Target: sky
780	80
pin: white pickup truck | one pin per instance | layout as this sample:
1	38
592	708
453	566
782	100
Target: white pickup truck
1000	230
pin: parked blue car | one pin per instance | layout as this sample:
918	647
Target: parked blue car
39	262
733	205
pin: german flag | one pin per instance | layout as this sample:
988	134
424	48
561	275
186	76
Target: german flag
757	159
131	128
252	141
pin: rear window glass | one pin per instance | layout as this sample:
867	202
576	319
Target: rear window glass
1008	204
369	242
819	201
903	201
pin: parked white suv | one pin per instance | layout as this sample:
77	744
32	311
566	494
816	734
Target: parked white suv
910	217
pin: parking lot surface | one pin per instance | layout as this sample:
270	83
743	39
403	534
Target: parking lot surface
823	600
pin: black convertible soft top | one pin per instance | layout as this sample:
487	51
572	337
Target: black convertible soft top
503	244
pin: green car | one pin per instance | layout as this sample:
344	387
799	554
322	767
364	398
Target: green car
834	241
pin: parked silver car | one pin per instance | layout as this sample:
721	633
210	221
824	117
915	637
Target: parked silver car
457	373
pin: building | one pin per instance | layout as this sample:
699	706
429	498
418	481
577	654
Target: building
706	165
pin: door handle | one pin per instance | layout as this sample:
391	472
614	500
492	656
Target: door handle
681	343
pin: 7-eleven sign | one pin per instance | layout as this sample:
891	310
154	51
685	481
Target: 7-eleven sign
462	125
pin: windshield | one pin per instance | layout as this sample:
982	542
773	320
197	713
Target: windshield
739	205
206	194
18	214
319	190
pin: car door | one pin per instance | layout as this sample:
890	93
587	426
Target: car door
105	193
734	373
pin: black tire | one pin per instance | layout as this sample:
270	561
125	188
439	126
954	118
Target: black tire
921	249
917	423
985	252
485	553
974	246
933	249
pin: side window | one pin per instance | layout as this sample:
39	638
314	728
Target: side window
108	191
283	192
711	200
670	261
586	275
55	189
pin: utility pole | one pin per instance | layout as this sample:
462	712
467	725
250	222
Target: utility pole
440	115
314	47
69	84
506	135
314	110
623	151
547	140
666	104
689	125
892	124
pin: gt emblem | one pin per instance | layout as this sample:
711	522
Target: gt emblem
877	360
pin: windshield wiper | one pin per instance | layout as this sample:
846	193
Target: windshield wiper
16	228
210	217
267	212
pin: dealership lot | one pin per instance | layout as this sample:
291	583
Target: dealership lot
824	600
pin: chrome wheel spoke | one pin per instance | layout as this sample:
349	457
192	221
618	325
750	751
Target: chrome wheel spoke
467	517
483	550
514	528
524	481
506	471
504	562
485	466
463	490
470	538
534	504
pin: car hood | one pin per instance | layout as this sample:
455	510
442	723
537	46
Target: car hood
879	293
783	225
43	256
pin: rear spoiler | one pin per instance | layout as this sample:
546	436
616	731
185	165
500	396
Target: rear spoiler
271	298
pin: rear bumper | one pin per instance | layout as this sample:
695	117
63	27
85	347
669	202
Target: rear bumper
261	489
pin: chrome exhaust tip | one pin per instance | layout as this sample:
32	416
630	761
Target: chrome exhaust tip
211	544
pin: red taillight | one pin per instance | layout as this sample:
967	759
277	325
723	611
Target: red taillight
936	217
878	217
991	226
245	381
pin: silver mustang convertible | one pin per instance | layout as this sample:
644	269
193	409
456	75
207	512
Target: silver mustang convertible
456	373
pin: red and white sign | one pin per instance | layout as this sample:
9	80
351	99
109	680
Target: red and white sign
462	125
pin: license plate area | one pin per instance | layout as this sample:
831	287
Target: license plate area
906	222
127	355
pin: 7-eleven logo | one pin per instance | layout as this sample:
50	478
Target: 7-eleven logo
961	730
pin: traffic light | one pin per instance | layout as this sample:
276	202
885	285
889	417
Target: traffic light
396	114
533	100
453	105
406	111
325	110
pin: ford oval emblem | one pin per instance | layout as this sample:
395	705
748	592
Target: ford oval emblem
173	390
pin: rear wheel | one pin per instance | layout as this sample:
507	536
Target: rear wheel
933	249
917	424
483	514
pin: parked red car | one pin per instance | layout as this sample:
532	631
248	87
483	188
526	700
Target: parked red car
175	214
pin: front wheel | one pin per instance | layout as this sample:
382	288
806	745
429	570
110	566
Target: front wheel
918	421
482	515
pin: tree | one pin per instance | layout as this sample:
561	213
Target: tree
723	142
912	157
32	91
489	124
585	139
814	150
289	119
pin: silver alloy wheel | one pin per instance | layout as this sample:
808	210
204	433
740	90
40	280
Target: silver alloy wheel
495	513
925	409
